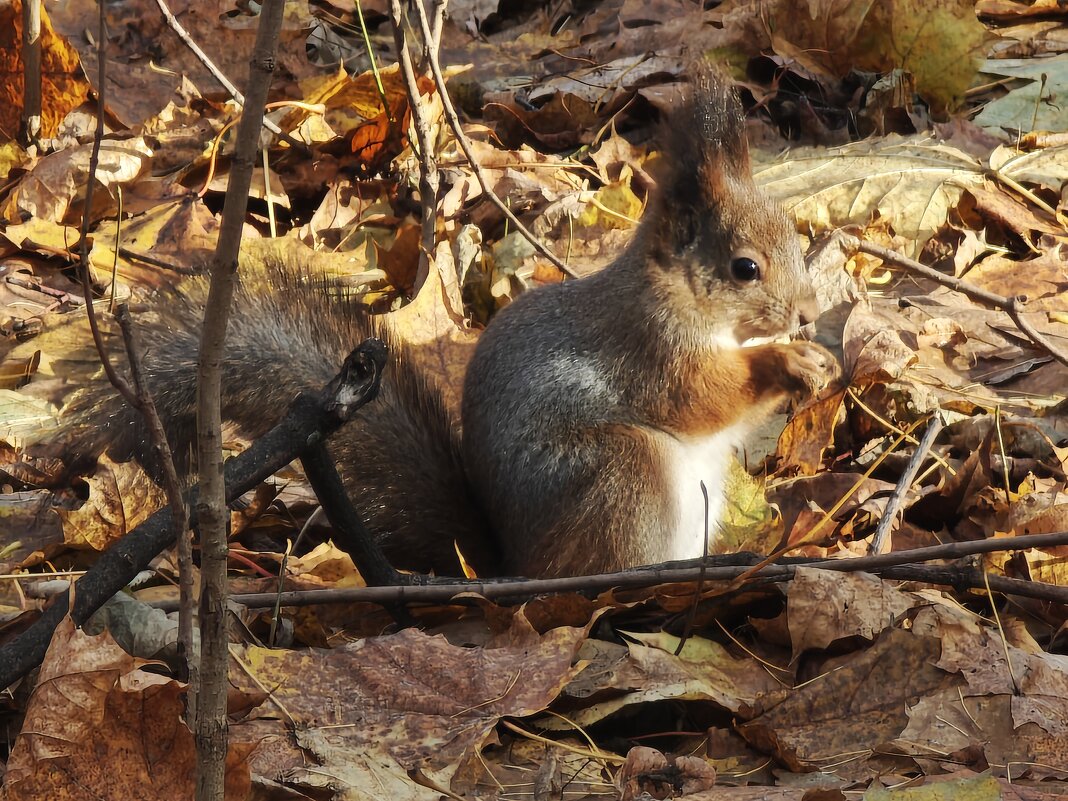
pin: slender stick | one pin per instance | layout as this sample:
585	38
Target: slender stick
1014	307
210	729
30	131
900	565
176	500
882	532
465	144
116	380
428	168
437	26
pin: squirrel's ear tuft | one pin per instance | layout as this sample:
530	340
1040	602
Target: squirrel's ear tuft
704	137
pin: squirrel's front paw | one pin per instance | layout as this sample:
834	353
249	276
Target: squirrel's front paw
807	369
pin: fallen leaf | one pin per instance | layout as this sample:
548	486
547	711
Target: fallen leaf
824	607
910	182
97	720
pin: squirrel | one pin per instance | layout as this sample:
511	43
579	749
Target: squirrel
598	414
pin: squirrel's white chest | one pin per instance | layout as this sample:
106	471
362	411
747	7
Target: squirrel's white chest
694	463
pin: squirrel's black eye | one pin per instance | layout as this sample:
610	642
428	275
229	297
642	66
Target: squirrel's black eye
744	269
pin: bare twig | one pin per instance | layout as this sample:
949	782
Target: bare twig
428	168
465	144
438	24
179	511
116	380
210	731
145	258
1014	307
882	532
30	131
900	565
137	396
226	83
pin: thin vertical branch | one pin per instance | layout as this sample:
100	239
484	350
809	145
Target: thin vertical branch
30	131
179	510
428	168
893	506
438	24
211	729
465	144
138	396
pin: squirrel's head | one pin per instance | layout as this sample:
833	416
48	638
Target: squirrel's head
721	248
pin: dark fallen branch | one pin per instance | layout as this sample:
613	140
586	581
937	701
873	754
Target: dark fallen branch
900	565
310	420
349	532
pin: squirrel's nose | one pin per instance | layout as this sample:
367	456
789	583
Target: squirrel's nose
808	309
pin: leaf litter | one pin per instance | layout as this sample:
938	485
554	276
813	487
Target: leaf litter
821	684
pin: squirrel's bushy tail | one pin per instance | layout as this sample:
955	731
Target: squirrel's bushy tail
399	458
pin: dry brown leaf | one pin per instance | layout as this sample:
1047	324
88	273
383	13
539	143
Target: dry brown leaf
432	327
1046	166
873	349
1009	9
1011	213
1044	280
824	607
176	231
413	704
651	671
401	260
97	720
327	566
857	707
823	36
120	498
808	434
1029	106
910	182
939	43
1013	715
647	772
55	186
144	68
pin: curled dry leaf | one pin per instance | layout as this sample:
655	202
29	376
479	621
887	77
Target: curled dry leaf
648	773
824	607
